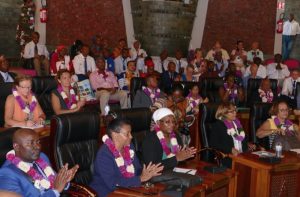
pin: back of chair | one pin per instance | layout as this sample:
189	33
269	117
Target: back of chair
5	90
187	85
253	86
74	140
136	83
42	87
207	118
259	113
212	89
6	142
140	119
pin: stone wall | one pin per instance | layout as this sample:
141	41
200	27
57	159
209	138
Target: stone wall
293	6
72	19
9	16
229	21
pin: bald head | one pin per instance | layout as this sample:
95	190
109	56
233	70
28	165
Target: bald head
26	144
9	194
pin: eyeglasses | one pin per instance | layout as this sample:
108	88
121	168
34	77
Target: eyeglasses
127	135
29	88
284	110
232	111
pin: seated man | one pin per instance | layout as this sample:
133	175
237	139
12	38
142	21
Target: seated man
121	61
148	95
288	92
220	64
106	86
37	53
253	69
168	77
217	47
27	171
84	64
261	72
180	62
161	63
5	75
254	52
124	78
136	51
277	70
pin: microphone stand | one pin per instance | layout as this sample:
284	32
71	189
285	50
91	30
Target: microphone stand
218	158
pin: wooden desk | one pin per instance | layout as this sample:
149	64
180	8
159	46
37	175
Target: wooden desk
223	184
266	179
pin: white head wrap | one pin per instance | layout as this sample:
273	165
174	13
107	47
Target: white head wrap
161	113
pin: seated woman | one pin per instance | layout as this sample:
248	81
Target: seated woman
163	145
188	75
279	125
21	107
116	163
264	93
227	134
64	99
231	92
194	100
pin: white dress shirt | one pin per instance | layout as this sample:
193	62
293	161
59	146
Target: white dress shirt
287	87
277	74
182	63
63	64
255	53
291	28
134	53
157	63
119	64
29	50
140	65
261	72
211	53
78	63
6	77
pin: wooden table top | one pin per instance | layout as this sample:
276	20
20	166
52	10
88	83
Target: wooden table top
290	161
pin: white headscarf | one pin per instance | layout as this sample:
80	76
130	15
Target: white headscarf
161	113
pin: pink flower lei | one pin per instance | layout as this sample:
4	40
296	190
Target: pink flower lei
233	93
152	94
38	180
287	126
266	96
174	144
238	133
71	104
124	162
25	108
194	102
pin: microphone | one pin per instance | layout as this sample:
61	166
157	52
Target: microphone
218	158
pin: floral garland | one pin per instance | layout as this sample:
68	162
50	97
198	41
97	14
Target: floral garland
38	180
124	162
174	144
238	133
193	102
71	104
25	108
233	93
152	94
287	126
266	97
103	74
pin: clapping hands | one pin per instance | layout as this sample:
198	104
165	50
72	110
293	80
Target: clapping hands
185	153
150	171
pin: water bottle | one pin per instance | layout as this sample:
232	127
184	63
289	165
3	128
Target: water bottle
278	149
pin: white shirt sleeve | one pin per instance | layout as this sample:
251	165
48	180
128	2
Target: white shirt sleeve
27	51
76	64
285	89
93	64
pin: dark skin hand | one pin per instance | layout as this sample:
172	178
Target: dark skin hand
64	176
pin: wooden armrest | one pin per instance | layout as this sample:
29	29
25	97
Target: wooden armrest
80	191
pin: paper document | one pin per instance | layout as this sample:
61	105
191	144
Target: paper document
33	127
185	170
264	154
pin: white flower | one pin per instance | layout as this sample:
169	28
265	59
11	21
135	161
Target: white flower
231	131
158	90
152	96
131	153
45	184
291	128
173	141
242	133
264	99
119	161
72	91
77	98
73	106
15	93
104	138
170	155
130	168
160	135
26	110
22	14
63	95
33	99
37	184
48	171
24	166
235	91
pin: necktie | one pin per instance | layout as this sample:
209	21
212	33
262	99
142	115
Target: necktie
124	66
162	66
6	77
85	66
36	51
294	89
38	169
171	76
179	64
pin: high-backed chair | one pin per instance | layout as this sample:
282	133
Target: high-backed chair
188	84
212	89
74	140
5	90
259	113
253	85
42	87
6	142
136	83
207	118
140	119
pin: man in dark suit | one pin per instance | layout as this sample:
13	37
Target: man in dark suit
28	172
5	76
168	77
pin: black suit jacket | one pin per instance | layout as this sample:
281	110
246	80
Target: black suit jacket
152	151
13	75
220	140
166	82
